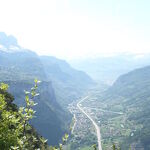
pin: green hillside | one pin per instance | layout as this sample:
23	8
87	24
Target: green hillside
131	95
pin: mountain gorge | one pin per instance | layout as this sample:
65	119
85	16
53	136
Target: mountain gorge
19	67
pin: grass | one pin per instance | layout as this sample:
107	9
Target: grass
86	148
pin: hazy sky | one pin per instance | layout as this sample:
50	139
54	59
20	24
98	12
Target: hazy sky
78	28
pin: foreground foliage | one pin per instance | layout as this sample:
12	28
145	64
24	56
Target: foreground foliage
15	130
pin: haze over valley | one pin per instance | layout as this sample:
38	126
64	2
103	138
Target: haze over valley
74	75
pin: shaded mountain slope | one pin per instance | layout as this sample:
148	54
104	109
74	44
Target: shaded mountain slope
69	83
60	85
19	69
48	113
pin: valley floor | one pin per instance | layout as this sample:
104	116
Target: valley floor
90	115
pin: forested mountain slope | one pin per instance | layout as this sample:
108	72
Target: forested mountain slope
69	83
131	95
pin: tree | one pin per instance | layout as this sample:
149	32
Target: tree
94	147
15	130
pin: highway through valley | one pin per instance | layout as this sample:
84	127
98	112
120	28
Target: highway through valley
97	128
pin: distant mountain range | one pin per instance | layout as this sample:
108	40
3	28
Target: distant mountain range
108	68
61	84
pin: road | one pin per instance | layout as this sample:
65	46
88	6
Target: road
75	120
109	111
93	122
